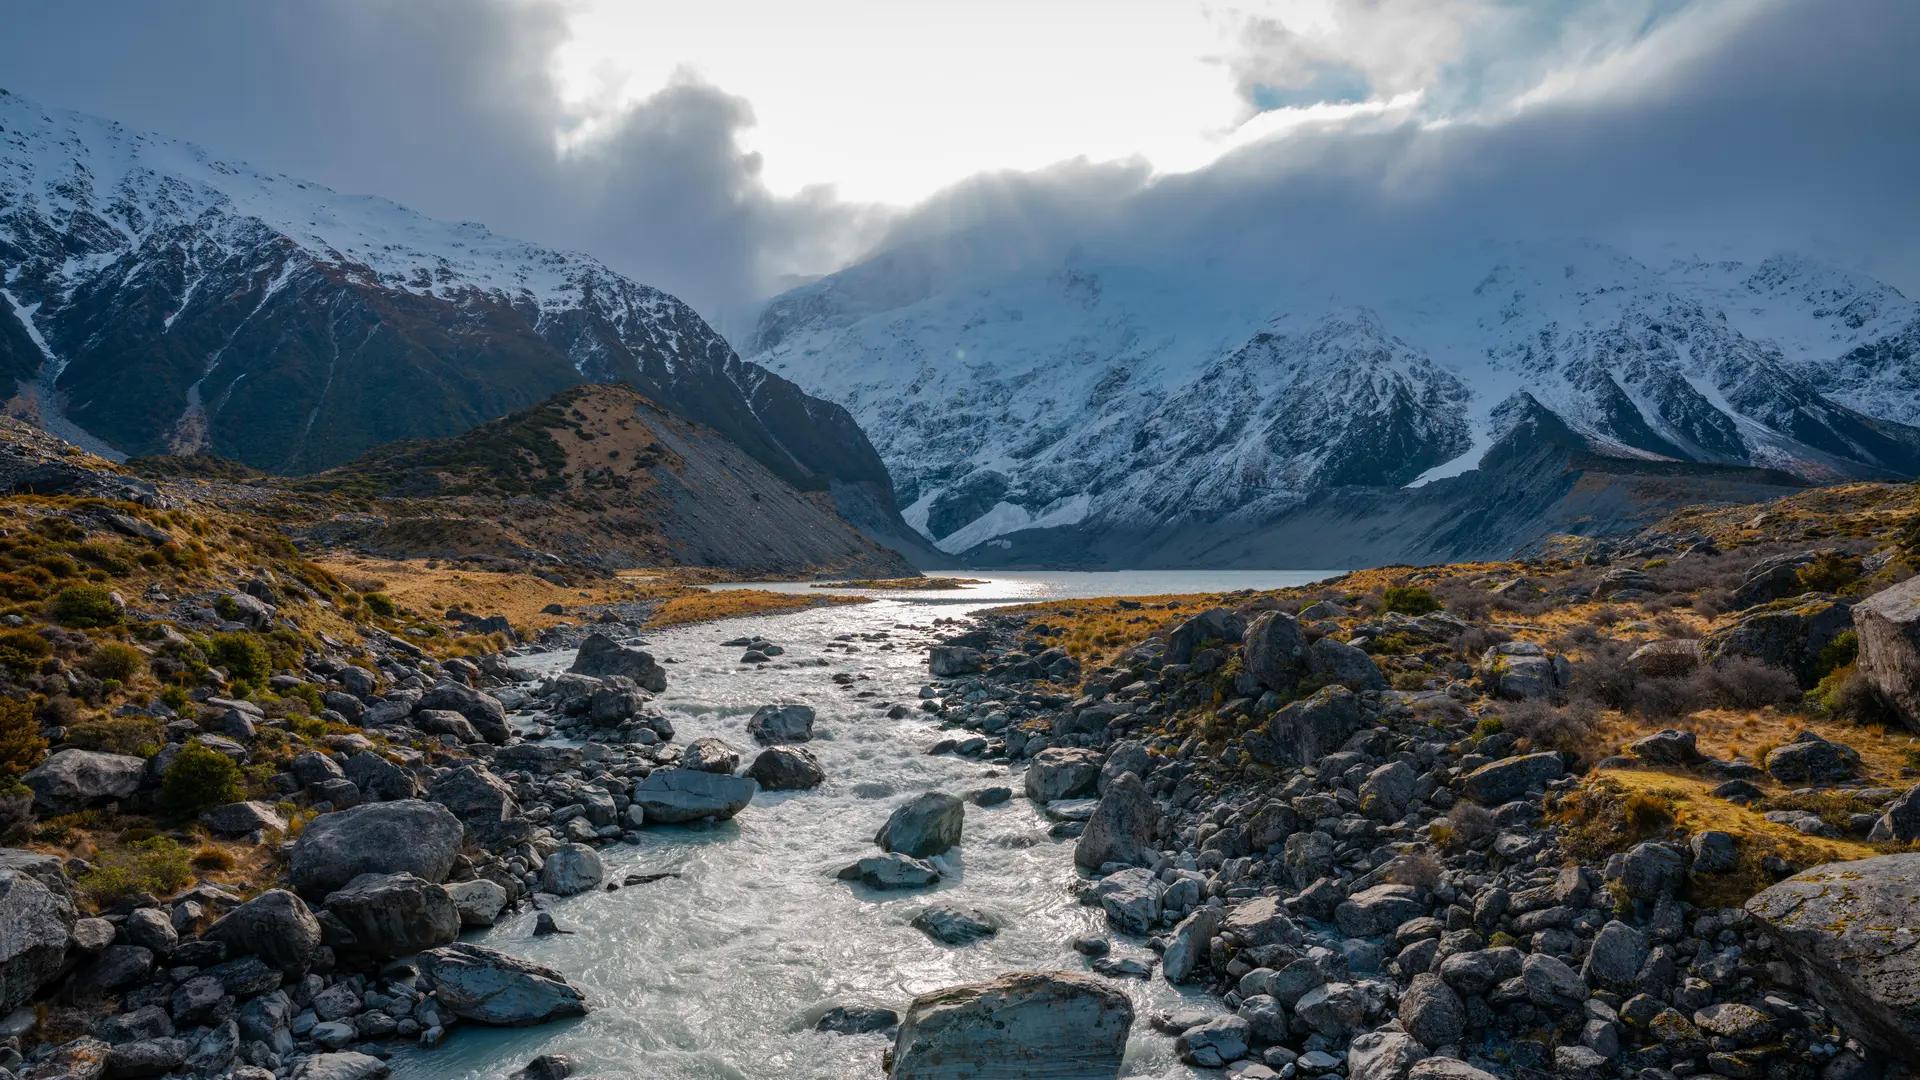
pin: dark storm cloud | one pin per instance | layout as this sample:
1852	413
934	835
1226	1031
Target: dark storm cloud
1762	123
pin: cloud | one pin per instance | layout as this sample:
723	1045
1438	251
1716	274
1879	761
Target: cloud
1751	124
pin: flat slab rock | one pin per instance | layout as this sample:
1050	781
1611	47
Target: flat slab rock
1852	929
489	987
1023	1026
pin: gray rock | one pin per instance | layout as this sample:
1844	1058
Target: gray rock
1382	1055
948	661
1789	637
1022	1026
1062	772
1446	1068
1614	960
479	901
1214	626
891	871
489	987
1342	664
786	768
1215	1043
1669	747
243	819
600	656
924	826
1551	984
1388	791
1848	930
1431	1012
710	755
148	1057
1521	670
1122	827
275	926
955	926
572	869
772	725
484	804
394	914
71	780
676	796
482	710
1509	778
1188	944
856	1020
36	923
381	780
1131	898
343	1065
405	836
1808	758
1901	822
1307	730
1888	624
1276	650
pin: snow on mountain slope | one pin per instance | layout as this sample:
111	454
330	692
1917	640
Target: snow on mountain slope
165	300
1111	390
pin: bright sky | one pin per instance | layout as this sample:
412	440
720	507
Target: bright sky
890	101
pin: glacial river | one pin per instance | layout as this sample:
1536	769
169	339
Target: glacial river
720	973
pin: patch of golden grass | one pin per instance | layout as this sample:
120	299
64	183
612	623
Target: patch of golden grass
1885	755
704	605
430	588
1097	631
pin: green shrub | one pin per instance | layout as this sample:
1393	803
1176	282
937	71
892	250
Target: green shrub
112	660
1829	571
381	604
243	655
1409	600
1838	653
23	650
1845	694
199	777
141	736
154	865
85	606
21	746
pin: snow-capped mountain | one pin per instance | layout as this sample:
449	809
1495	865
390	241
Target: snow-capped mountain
1112	392
155	298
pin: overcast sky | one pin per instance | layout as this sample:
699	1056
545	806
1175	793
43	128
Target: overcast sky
721	148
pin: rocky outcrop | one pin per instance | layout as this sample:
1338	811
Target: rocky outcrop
407	836
1850	930
1122	827
1027	1026
1888	624
72	780
489	987
276	926
36	920
1788	635
394	914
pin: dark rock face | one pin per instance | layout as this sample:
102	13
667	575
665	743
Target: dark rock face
395	914
1787	636
275	926
1276	650
1122	827
1888	623
35	923
1849	930
675	796
73	780
786	768
489	987
924	826
1053	1026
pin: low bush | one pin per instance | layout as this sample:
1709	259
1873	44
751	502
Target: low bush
1409	600
153	865
141	736
22	650
85	607
1845	694
21	746
381	604
1571	727
1829	572
243	656
199	777
1742	682
113	660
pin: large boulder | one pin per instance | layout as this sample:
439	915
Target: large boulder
481	709
1023	1026
404	836
774	724
485	804
36	921
1062	772
1773	578
276	926
489	987
1341	664
786	768
924	826
1808	758
72	780
675	796
243	819
1509	778
947	661
1848	929
1122	827
394	914
1787	635
709	754
1276	650
572	869
1521	670
1214	626
1307	730
1888	624
600	656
